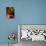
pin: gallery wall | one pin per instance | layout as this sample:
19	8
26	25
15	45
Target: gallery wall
26	12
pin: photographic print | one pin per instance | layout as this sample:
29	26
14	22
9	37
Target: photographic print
10	12
33	32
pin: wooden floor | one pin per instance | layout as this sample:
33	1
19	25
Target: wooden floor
28	43
34	43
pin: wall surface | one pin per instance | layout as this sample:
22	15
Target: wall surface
31	11
27	12
7	25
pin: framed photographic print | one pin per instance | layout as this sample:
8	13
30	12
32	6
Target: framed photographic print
33	32
10	12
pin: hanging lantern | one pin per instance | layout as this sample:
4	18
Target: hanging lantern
12	36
